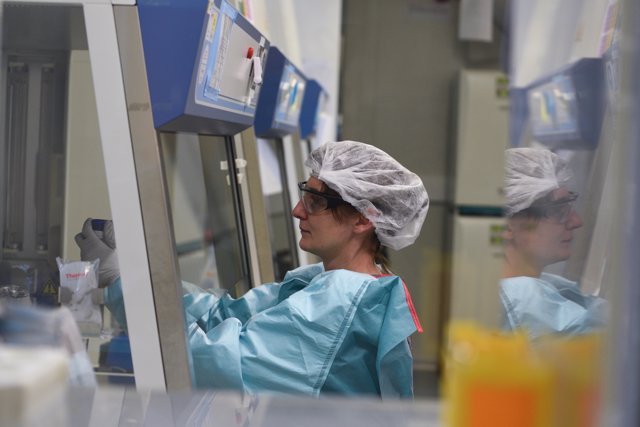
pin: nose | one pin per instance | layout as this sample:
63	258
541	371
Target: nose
299	211
574	221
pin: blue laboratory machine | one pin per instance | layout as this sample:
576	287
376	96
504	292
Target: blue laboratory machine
313	107
140	113
277	128
204	67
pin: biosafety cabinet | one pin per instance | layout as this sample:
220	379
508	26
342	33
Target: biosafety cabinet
281	154
141	113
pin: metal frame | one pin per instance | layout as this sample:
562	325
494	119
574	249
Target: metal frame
125	197
156	213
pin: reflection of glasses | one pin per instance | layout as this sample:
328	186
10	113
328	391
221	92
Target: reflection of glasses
558	210
316	201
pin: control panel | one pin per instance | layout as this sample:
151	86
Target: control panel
280	101
204	65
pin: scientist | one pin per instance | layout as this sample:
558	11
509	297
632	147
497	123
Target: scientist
340	326
539	232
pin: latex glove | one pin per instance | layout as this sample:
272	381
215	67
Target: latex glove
64	295
93	247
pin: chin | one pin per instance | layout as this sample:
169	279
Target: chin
559	258
308	248
565	254
303	245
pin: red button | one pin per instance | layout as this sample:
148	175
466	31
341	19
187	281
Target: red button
250	53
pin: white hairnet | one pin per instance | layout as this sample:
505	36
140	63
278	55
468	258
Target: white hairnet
392	197
531	174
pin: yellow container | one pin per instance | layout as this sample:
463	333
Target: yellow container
501	380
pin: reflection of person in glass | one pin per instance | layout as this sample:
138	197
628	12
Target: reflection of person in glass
540	224
340	326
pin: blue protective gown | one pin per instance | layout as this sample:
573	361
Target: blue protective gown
550	304
315	332
337	331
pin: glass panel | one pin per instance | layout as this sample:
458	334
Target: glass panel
555	245
52	178
278	206
204	214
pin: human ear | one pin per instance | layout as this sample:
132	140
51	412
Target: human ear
362	224
507	233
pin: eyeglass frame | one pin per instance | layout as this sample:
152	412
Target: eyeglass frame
542	210
332	200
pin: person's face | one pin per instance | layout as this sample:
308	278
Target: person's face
546	240
322	234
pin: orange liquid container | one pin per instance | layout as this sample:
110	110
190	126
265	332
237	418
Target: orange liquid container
502	380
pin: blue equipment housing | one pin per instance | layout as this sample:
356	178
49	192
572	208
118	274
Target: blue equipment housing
189	46
518	115
313	94
566	108
280	100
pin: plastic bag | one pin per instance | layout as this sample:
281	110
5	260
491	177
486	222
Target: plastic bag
81	278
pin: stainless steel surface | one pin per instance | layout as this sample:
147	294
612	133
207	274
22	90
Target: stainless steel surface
158	227
59	27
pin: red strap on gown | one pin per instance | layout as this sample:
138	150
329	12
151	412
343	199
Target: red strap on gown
412	308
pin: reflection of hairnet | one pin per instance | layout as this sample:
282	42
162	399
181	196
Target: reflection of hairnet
388	194
531	174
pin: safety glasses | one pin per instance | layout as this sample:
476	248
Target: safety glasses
316	201
558	211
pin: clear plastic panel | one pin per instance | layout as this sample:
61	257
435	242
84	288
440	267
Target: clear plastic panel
278	206
203	209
